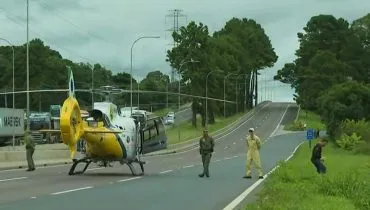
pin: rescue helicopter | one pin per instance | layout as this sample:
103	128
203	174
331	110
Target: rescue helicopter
109	136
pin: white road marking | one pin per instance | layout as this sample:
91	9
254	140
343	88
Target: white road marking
73	190
242	196
228	158
281	119
164	172
41	167
11	179
130	179
189	166
221	137
235	156
33	197
234	143
216	161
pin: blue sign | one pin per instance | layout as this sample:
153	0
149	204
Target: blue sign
310	134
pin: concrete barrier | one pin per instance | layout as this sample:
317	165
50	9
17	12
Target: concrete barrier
14	156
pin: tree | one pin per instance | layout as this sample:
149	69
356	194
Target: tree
349	100
328	49
256	51
193	43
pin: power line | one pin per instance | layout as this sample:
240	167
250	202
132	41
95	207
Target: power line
46	6
11	17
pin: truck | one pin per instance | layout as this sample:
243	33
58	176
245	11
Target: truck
11	121
45	120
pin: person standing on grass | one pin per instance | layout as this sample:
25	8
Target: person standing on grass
253	154
316	158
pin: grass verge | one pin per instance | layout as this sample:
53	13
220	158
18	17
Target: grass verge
309	118
296	185
187	131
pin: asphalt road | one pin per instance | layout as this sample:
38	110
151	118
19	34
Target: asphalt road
183	115
171	181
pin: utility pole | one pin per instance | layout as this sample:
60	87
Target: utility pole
175	14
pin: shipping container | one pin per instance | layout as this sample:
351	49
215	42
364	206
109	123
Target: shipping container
11	120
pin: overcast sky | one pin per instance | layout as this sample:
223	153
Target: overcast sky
102	31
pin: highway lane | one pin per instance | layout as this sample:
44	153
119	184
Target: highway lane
183	115
44	181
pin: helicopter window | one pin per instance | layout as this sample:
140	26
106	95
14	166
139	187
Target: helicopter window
160	127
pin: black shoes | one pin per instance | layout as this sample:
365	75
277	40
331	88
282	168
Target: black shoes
202	175
30	169
249	177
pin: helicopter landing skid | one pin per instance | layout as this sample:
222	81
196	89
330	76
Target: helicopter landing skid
132	168
76	162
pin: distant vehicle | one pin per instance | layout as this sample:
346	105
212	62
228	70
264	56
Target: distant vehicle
170	118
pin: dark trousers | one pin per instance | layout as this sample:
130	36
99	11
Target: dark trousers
320	167
29	154
206	158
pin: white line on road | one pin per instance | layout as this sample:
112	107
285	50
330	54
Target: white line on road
130	179
164	172
11	179
189	166
281	119
73	190
242	196
33	197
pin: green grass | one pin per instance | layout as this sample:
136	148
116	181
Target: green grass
187	131
296	185
309	118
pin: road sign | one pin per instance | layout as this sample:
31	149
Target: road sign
310	134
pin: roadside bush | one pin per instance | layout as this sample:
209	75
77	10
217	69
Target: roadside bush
349	142
347	128
295	126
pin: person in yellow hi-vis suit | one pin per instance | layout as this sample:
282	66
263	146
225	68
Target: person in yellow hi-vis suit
253	154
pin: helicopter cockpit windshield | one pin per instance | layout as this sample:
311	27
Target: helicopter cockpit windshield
99	119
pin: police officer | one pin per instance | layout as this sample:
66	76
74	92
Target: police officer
30	148
253	154
206	145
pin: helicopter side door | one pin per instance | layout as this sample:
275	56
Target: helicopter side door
153	136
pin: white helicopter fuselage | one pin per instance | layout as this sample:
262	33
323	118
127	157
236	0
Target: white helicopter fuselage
128	138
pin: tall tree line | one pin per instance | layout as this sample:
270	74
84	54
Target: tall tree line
240	49
331	74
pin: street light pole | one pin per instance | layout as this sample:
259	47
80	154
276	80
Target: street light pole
92	88
179	88
28	76
132	46
12	46
225	92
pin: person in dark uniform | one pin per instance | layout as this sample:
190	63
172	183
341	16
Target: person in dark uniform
30	149
206	145
316	157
